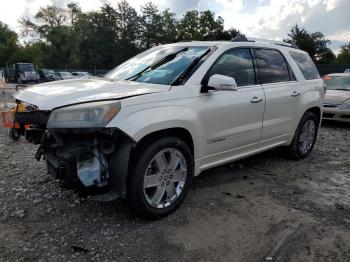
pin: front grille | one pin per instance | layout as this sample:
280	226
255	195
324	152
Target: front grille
328	115
345	116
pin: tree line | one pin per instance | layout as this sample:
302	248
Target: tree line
70	38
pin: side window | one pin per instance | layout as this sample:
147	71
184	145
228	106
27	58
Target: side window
306	66
236	63
272	66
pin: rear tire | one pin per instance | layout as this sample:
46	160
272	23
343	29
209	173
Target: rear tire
305	136
157	185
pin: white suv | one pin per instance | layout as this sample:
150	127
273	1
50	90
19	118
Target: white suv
153	123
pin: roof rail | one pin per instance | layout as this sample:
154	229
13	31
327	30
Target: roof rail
240	38
252	39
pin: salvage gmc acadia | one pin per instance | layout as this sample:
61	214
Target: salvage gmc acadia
150	125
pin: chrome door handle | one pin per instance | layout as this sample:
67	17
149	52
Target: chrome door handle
255	99
295	93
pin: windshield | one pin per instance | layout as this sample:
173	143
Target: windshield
25	67
337	83
139	68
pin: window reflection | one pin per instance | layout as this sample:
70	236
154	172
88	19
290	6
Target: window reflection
236	63
306	66
272	66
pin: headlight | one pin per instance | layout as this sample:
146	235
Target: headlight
96	114
345	105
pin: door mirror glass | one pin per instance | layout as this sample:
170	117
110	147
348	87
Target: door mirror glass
222	83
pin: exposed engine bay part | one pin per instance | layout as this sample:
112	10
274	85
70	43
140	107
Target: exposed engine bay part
107	147
92	168
91	157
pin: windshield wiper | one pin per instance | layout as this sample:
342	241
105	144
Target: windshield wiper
158	63
190	67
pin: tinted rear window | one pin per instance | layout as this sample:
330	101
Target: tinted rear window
272	66
306	65
25	67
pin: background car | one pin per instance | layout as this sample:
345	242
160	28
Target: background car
347	70
337	100
21	73
25	72
81	74
64	75
47	75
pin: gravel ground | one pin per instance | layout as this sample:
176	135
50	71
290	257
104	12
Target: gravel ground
266	207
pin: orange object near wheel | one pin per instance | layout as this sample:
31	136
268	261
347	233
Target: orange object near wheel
8	120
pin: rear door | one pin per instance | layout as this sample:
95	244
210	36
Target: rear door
282	94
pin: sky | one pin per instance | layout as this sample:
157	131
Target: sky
270	19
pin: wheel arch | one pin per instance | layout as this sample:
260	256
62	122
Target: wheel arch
179	132
317	111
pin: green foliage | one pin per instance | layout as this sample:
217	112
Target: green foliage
196	25
69	38
344	54
314	43
8	45
54	29
151	26
169	27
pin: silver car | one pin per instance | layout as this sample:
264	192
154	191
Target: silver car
64	75
337	100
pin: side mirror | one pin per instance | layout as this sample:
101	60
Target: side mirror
222	83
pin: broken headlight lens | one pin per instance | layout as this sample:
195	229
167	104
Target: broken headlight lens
95	114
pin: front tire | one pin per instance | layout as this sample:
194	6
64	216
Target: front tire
14	134
305	136
161	176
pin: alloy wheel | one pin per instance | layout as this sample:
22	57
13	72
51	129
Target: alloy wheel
165	178
307	136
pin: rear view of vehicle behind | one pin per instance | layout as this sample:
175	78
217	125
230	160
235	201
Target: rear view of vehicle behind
25	72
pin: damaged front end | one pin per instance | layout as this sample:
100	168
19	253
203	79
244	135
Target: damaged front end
77	146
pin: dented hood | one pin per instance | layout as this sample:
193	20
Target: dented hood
48	96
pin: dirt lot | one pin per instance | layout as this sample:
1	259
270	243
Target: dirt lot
262	208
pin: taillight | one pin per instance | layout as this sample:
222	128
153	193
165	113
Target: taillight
327	78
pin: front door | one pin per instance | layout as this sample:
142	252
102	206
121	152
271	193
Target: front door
233	119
